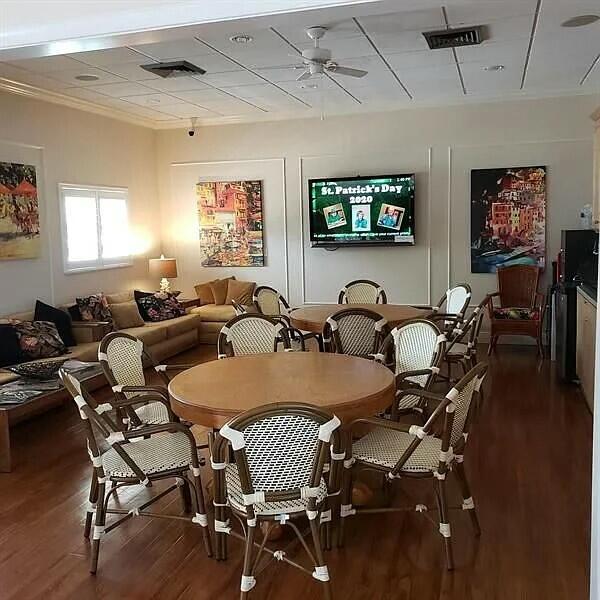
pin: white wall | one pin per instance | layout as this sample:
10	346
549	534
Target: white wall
72	146
441	145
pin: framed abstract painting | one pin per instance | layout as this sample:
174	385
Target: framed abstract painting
230	223
19	212
508	218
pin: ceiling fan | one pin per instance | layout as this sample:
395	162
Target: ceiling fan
318	61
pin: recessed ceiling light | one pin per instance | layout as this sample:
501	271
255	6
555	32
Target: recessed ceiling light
241	38
580	21
309	86
87	77
153	101
493	68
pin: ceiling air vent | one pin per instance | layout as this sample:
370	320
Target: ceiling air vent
454	38
178	68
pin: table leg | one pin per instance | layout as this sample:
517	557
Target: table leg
5	459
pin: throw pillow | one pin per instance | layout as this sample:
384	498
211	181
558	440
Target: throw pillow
62	320
10	350
94	308
126	315
39	339
160	307
120	297
204	293
240	291
219	290
137	296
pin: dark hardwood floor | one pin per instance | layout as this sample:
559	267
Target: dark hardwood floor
529	462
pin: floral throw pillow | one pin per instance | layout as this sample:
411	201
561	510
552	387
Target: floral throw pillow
39	339
160	307
94	308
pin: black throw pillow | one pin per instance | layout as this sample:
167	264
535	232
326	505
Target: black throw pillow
60	318
10	349
137	294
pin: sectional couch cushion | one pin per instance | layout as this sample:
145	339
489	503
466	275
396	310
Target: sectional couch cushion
150	333
62	320
204	293
126	315
182	325
219	290
214	312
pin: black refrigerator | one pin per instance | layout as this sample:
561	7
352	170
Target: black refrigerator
578	265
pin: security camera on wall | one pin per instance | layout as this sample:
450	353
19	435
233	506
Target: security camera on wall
192	131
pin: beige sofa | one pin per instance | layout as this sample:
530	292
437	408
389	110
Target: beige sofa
162	339
213	317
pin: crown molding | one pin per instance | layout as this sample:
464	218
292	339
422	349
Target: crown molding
30	91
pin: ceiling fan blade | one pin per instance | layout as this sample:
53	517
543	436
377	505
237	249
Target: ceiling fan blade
346	71
288	66
303	76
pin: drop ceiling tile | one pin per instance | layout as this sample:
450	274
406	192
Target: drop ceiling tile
153	100
47	64
213	63
110	56
22	76
231	78
148	113
486	12
173	49
186	110
420	59
555	12
494	53
402	21
478	81
70	75
120	90
263	90
132	71
201	96
276	75
343	48
176	84
296	33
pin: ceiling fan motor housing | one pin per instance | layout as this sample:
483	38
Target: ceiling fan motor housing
320	55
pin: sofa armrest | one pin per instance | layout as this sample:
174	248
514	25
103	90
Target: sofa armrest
90	331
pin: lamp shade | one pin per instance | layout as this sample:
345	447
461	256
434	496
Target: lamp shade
163	267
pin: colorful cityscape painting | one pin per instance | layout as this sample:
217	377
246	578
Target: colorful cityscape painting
230	223
19	212
508	218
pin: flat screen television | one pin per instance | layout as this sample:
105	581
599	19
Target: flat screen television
359	211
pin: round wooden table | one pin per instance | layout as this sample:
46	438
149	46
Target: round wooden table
212	393
312	318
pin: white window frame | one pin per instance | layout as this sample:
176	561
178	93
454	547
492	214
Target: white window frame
100	263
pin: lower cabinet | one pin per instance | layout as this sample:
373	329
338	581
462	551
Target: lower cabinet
586	346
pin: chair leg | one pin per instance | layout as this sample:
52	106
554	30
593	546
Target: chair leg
445	522
248	581
202	517
186	496
98	527
346	503
467	503
540	346
321	573
492	345
93	498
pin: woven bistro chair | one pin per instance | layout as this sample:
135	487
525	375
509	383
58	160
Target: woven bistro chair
252	334
414	351
122	358
362	291
269	302
405	451
240	309
132	458
451	308
279	452
355	331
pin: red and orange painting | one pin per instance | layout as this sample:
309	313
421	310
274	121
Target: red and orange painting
19	212
230	223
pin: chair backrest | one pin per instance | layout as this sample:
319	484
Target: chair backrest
455	301
270	302
251	334
279	451
417	345
362	291
355	331
518	285
468	331
240	309
122	357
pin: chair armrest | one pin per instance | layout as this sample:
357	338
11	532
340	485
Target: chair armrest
402	376
159	368
148	396
377	422
143	389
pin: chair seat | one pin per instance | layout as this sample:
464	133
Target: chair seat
517	314
234	494
384	447
153	413
408	401
458	351
152	455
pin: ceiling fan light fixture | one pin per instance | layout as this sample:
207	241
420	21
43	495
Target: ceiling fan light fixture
494	68
580	21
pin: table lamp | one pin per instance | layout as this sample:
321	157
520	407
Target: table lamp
165	268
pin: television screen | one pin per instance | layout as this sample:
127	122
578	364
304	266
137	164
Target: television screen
362	210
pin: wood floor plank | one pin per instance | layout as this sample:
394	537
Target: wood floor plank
529	465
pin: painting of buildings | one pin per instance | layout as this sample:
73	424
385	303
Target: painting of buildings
508	218
19	212
230	223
